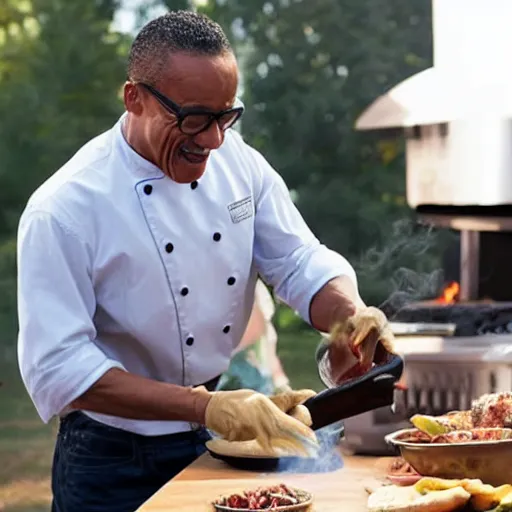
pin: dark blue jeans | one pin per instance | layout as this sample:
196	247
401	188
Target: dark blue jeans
97	468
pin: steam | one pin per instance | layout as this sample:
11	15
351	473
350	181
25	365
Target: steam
328	458
408	267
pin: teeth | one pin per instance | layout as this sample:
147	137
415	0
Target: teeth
203	152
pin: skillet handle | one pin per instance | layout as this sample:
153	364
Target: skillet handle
371	391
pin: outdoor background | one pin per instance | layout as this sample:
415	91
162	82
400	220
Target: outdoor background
309	69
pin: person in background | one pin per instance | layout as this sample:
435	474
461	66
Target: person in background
255	364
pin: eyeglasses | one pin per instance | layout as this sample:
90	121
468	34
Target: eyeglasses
193	120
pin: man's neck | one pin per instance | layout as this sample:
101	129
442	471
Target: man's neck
128	131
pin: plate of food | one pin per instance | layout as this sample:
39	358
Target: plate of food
280	497
462	444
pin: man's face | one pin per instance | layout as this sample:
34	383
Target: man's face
202	82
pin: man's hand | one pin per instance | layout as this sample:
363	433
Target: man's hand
357	342
243	415
358	335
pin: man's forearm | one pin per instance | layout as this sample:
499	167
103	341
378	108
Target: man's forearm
126	395
336	300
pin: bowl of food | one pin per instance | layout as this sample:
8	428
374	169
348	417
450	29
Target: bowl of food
278	497
462	444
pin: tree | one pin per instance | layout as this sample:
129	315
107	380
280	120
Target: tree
309	69
59	86
61	68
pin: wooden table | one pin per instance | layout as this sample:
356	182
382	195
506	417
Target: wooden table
197	486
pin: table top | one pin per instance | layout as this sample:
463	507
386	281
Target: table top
206	479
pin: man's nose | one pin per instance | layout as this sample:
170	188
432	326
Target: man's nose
211	138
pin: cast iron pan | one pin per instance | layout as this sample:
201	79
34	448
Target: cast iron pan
328	408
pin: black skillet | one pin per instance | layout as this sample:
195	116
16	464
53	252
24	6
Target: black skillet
328	408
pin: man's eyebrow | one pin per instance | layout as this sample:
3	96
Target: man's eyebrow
204	108
198	106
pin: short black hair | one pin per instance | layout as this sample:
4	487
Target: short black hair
176	31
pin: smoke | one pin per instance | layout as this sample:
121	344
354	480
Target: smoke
407	269
411	286
328	458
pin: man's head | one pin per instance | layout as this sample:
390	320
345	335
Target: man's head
182	82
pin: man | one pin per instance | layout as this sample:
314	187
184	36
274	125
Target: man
137	264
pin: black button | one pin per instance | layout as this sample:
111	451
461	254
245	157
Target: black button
226	329
231	281
169	248
184	291
190	341
148	189
217	236
193	185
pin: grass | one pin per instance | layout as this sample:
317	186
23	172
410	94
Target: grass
26	444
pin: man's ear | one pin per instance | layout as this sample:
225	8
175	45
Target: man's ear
132	98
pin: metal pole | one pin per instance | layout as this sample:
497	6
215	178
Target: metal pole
469	265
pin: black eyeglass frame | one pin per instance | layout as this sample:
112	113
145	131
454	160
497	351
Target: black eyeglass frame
181	113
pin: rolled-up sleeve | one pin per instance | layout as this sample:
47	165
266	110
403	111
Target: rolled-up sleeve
57	354
286	253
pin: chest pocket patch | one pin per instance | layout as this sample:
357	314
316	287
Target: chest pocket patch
241	210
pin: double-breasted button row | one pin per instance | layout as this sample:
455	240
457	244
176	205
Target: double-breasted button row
169	248
149	188
190	340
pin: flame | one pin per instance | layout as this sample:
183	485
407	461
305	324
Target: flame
450	293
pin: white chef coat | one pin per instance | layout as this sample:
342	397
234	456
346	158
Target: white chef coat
121	267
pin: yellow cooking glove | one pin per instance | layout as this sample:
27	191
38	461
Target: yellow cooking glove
359	341
244	414
290	402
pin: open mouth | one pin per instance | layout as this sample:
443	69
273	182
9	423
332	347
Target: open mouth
194	156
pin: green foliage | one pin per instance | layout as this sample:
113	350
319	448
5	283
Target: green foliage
286	319
8	322
61	69
310	68
59	87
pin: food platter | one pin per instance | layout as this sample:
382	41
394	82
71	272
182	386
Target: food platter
299	500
